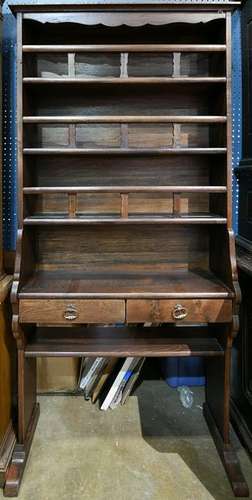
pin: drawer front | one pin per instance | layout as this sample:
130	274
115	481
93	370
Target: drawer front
57	311
179	311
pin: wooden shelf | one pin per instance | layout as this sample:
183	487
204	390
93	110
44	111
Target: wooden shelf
118	342
123	151
188	8
53	219
178	283
123	80
126	48
125	119
125	189
117	260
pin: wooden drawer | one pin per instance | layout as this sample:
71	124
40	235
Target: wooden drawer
182	311
57	311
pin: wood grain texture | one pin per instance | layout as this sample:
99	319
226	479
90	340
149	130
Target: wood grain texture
173	283
125	48
92	125
125	189
124	151
228	457
7	444
124	119
136	6
19	458
113	220
163	311
117	250
68	312
7	357
123	80
7	379
122	341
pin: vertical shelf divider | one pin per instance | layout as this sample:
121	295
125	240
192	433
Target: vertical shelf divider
72	204
124	205
176	203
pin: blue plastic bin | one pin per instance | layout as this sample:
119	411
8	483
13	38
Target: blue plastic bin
183	371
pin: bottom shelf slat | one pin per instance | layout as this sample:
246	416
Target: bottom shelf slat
106	341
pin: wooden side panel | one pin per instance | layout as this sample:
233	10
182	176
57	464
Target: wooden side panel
7	359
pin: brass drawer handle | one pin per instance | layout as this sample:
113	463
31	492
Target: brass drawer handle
71	312
179	312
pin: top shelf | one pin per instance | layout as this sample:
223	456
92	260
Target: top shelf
126	48
150	5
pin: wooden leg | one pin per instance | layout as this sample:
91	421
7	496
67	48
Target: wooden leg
28	413
216	412
218	391
26	393
228	457
19	458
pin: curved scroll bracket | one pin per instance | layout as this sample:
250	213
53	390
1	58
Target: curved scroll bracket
18	332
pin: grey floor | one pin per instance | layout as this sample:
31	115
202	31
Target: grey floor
151	448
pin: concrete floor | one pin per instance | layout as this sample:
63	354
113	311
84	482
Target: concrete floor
151	448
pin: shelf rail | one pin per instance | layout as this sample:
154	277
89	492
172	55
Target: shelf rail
125	48
124	192
175	74
126	119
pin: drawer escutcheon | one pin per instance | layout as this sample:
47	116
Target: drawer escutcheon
179	312
71	312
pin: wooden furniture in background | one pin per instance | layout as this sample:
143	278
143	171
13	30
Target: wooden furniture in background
7	346
241	405
7	379
125	195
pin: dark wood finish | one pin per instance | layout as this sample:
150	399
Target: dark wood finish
111	284
122	151
19	458
108	311
136	6
228	457
125	189
122	220
7	379
122	80
124	48
65	312
8	442
7	344
164	311
124	119
121	342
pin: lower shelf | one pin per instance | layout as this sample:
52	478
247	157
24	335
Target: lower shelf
106	341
